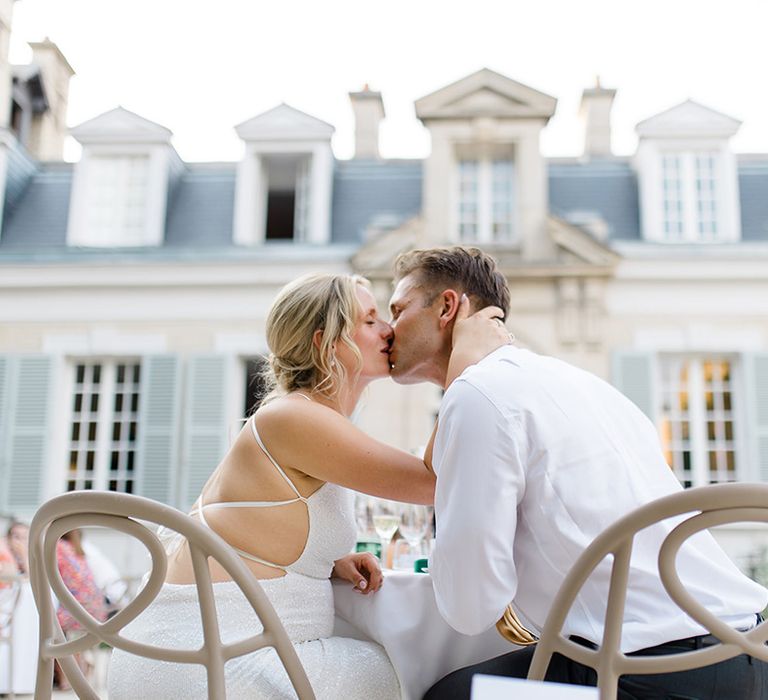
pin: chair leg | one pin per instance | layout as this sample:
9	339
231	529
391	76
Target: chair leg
76	679
44	682
609	686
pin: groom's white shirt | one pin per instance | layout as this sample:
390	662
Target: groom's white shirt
534	459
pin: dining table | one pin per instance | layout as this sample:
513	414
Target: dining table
403	618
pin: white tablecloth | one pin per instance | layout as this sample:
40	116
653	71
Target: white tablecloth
403	618
25	635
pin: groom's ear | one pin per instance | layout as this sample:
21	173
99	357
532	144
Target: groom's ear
449	306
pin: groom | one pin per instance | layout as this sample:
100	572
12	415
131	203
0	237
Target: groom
535	458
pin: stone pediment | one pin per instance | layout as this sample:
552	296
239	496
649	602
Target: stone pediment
688	119
577	246
120	125
486	94
575	252
284	123
375	258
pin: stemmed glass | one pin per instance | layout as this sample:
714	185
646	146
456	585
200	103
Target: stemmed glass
386	520
416	520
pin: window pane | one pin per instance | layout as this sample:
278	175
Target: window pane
697	426
503	195
672	202
125	430
118	196
706	196
468	200
100	400
675	424
716	374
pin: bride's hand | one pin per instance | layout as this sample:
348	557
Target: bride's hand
475	336
361	569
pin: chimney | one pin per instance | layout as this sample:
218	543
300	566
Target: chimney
6	16
49	128
595	110
369	111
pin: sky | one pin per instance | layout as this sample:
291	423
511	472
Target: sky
200	68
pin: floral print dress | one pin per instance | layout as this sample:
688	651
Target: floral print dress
78	578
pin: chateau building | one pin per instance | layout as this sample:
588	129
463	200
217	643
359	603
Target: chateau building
134	286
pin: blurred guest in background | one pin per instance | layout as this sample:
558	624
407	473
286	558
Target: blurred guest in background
7	561
18	543
79	580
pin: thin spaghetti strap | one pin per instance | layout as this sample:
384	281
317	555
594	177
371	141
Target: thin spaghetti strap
271	459
200	511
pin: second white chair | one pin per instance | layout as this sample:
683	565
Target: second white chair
127	514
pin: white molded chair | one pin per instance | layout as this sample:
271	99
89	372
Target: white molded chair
708	506
124	512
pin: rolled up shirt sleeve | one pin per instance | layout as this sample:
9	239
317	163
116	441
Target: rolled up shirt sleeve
480	481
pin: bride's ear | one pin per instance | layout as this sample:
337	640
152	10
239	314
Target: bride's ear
450	300
317	338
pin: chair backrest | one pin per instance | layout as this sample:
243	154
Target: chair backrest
127	514
708	506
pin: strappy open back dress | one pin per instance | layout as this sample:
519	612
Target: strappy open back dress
337	667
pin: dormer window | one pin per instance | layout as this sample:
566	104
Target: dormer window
689	199
117	199
284	180
486	199
287	185
121	183
687	176
484	128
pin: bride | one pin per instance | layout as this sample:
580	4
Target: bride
281	497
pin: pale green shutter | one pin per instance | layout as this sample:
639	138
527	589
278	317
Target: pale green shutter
26	434
633	376
756	392
204	423
5	362
158	428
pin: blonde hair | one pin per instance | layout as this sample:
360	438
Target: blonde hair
315	302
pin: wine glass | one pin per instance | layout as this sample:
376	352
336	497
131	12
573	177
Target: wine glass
386	520
416	521
367	541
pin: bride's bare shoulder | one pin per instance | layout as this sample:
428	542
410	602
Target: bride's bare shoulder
293	412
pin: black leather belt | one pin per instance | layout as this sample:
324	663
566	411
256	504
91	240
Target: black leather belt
698	642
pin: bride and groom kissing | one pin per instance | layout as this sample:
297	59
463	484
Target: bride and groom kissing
530	459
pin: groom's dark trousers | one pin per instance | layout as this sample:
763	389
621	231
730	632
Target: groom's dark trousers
740	678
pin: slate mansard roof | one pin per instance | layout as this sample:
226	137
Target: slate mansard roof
367	194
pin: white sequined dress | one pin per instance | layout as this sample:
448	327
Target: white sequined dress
338	668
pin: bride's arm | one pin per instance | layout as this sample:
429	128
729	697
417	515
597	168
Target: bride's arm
474	337
322	443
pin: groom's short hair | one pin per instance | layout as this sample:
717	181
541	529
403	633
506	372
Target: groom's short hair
463	269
